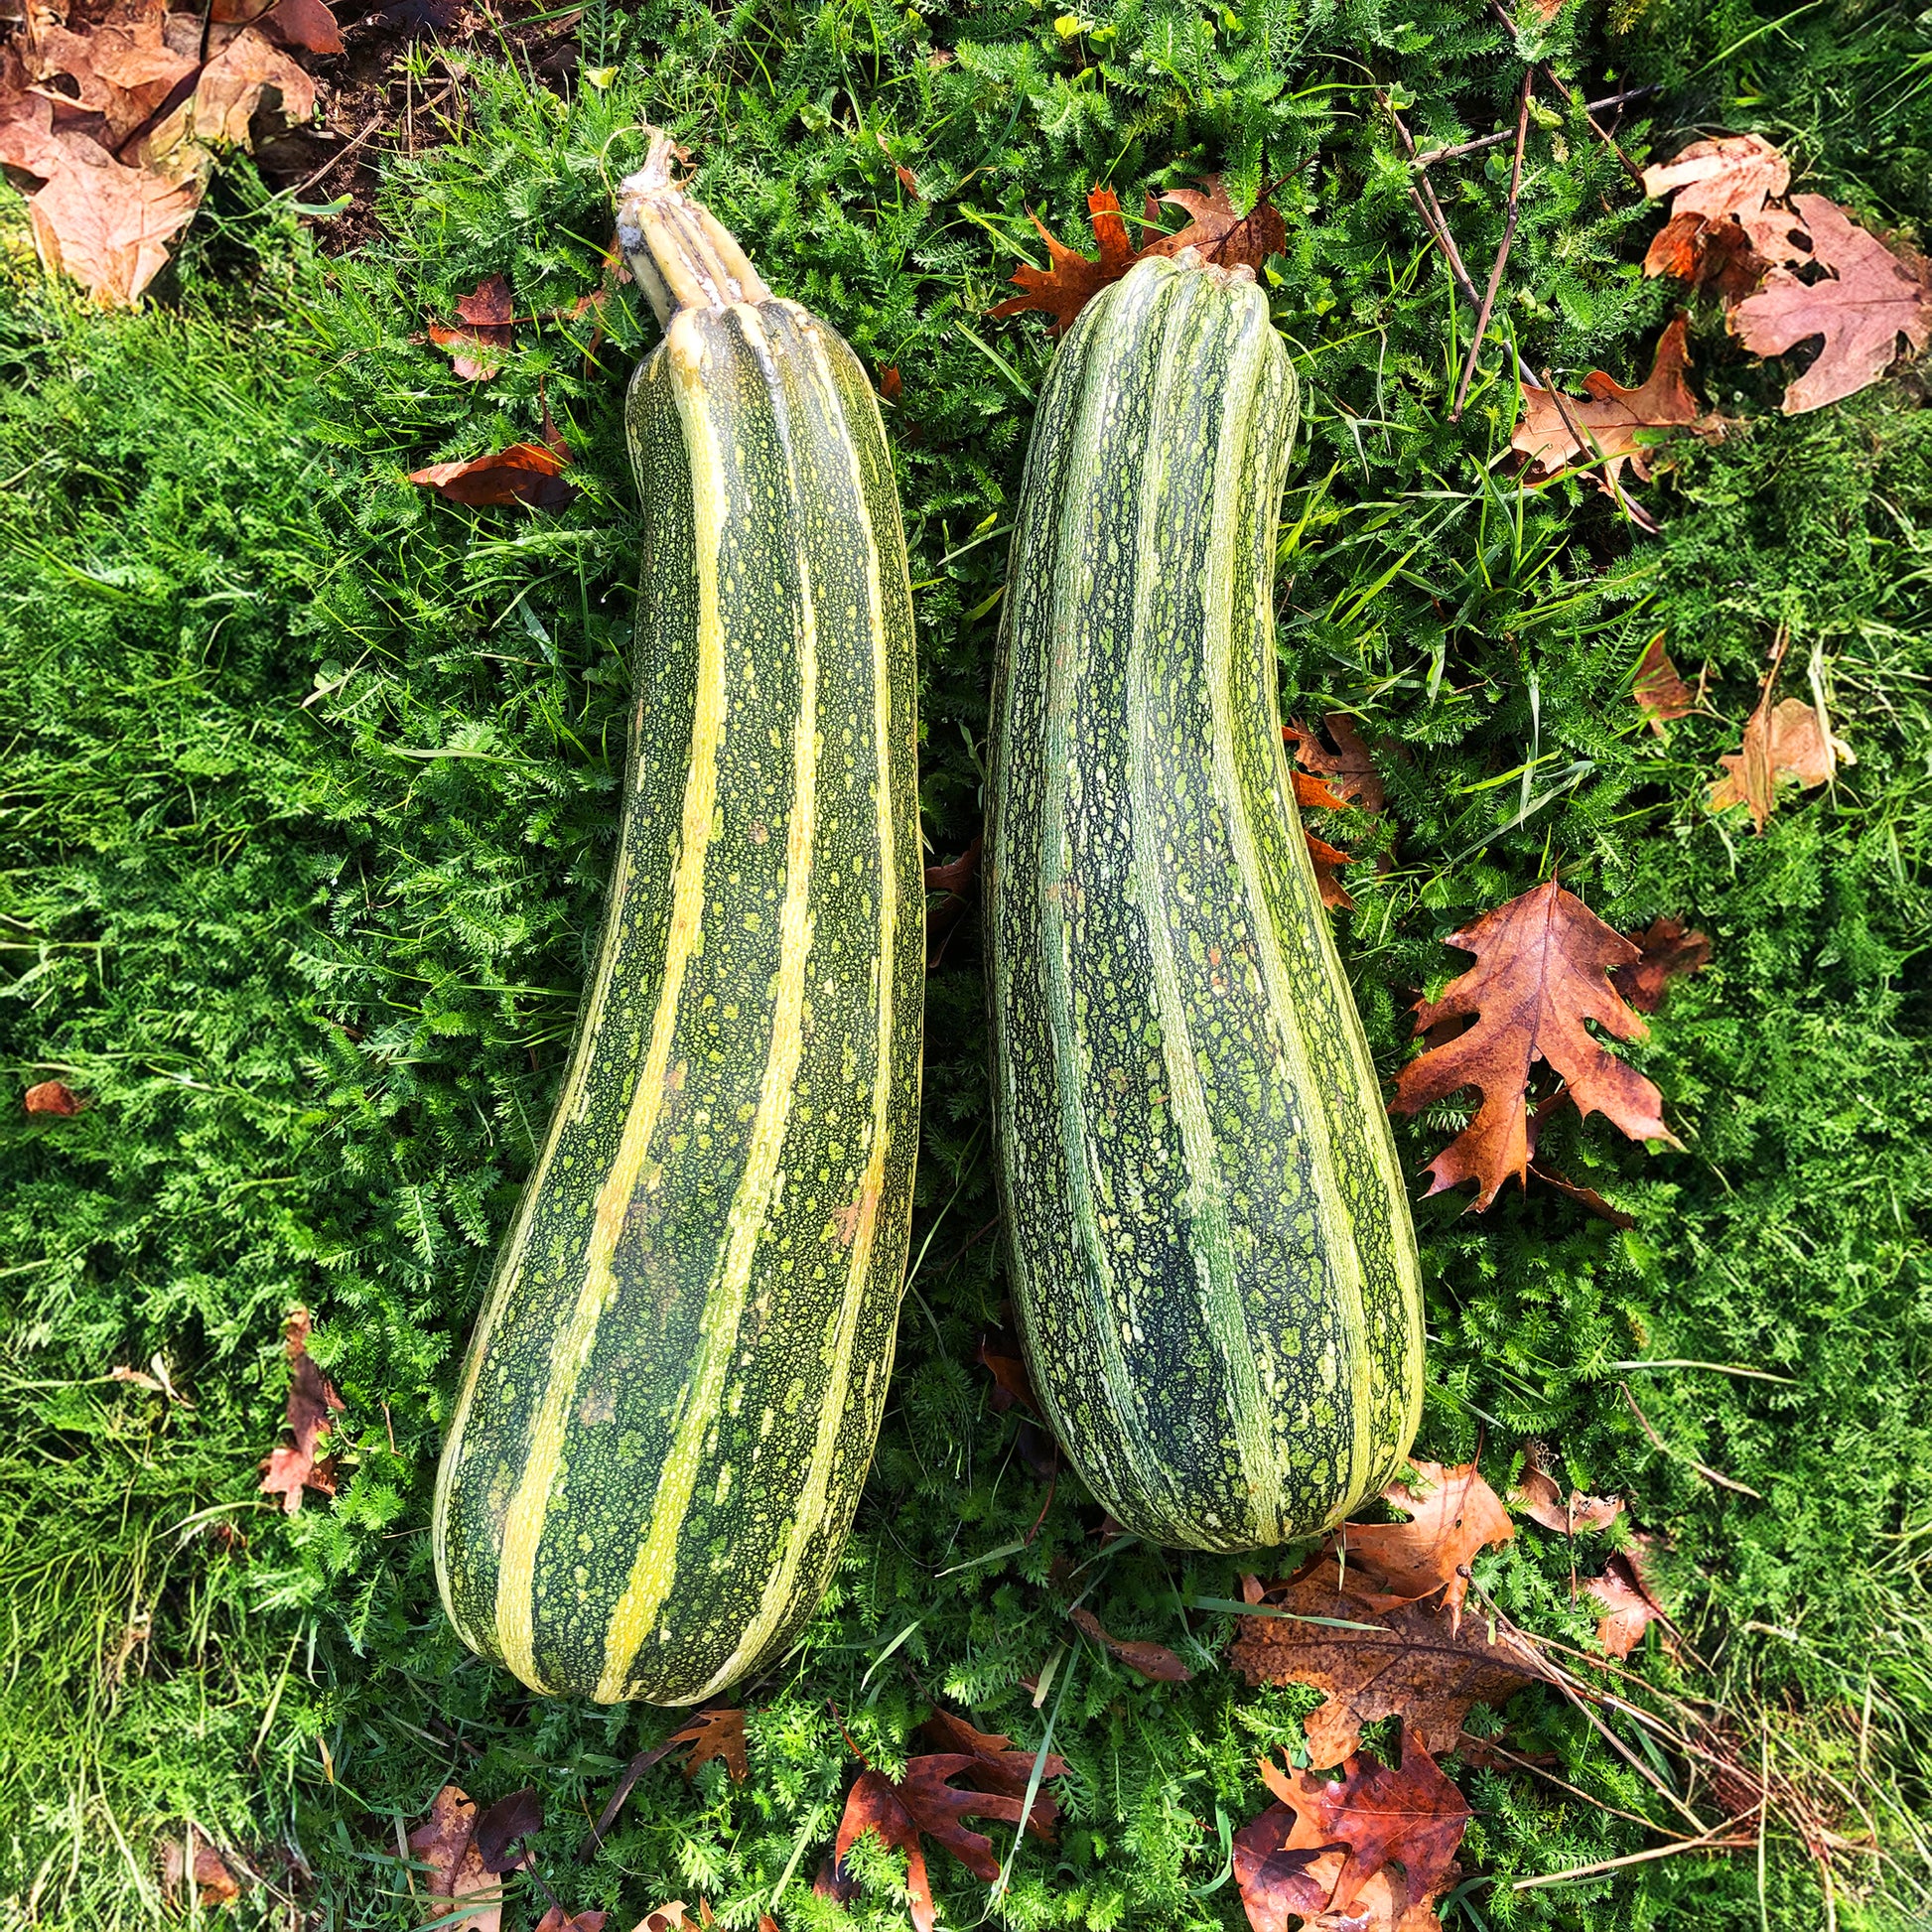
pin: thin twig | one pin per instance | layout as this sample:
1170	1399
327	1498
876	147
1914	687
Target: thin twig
1628	166
1430	156
1430	208
1502	252
1530	1764
1710	1842
1702	1468
328	166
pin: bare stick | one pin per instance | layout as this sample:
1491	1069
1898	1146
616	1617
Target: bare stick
1502	253
1629	167
1430	211
1430	156
1576	1791
1704	1470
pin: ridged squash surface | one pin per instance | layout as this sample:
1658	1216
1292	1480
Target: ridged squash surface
672	1395
1212	1260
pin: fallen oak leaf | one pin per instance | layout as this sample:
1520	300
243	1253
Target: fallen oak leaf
1792	738
525	473
1611	426
556	1919
999	1356
1071	280
1320	1628
1327	858
1542	965
1350	765
996	1766
1377	1814
715	1733
1721	229
1661	694
1152	1661
1628	1612
925	1804
54	1097
1452	1516
1541	1502
487	313
1861	309
501	1824
1223	235
228	94
446	1843
192	1860
1666	950
291	1467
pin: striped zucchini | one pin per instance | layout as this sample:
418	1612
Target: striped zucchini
671	1398
1212	1259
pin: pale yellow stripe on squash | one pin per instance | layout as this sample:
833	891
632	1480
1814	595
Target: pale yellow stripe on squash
775	1604
655	1567
524	1520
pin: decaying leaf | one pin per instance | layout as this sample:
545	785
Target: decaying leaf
1861	307
1154	1661
1789	739
1223	235
717	1733
1660	693
54	1097
1328	859
445	1841
925	1804
487	314
1543	966
556	1919
1628	1607
1541	1502
189	1857
525	473
1406	1661
1721	230
1611	426
1452	1514
503	1826
1350	766
1358	1825
291	1467
1666	950
1070	280
999	1354
996	1766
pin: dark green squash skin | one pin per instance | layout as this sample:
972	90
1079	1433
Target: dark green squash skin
673	1392
1212	1260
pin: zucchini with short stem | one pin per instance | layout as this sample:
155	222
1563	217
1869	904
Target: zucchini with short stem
671	1397
1212	1260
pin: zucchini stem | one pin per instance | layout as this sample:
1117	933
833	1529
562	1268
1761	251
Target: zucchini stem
682	255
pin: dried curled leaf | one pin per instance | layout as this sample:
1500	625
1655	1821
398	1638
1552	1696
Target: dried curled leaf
1452	1515
1722	231
1071	280
1543	966
525	473
1666	950
1661	694
1154	1661
293	1467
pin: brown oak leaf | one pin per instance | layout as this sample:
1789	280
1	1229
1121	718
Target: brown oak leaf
1327	860
1452	1515
487	314
1154	1661
1789	739
556	1919
1349	764
1543	966
717	1733
1374	1814
1408	1661
999	1354
1660	693
525	473
1611	426
925	1804
291	1466
1721	233
1071	280
1629	1609
1861	308
445	1841
501	1826
1666	950
231	91
54	1097
1541	1502
996	1766
1223	235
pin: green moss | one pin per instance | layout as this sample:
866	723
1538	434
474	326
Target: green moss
309	803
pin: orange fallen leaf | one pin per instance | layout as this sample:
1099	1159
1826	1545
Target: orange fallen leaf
717	1733
1327	878
291	1467
996	1766
1861	309
1351	765
1628	1608
1661	694
1721	231
486	313
446	1843
1611	426
1071	280
214	1881
1152	1661
231	91
1666	950
1402	1662
525	473
556	1919
1543	966
999	1354
54	1097
1452	1514
1222	234
1354	1827
1792	738
1541	1502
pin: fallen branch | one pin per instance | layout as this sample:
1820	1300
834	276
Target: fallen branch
1702	1468
1430	208
1430	157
